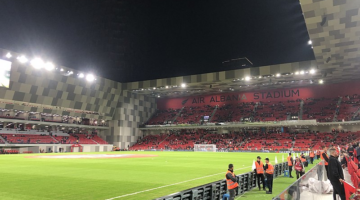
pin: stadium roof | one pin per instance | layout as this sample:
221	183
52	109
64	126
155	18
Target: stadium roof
334	30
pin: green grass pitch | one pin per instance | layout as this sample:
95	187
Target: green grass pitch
101	179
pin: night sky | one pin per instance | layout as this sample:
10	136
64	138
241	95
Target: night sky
159	38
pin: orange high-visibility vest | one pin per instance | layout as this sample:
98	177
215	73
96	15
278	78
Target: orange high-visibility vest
312	154
318	153
322	158
259	167
270	169
303	159
231	184
289	161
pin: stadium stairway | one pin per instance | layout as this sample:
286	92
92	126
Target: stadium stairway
213	113
164	139
293	144
355	114
3	140
301	110
177	115
54	139
337	110
95	141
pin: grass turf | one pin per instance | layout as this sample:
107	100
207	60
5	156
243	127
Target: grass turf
55	179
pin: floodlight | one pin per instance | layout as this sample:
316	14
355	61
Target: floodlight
22	59
37	63
90	77
49	66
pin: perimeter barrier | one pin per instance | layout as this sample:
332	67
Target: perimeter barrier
216	190
312	185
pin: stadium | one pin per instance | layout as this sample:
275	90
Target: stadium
68	134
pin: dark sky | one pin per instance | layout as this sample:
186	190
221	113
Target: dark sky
157	38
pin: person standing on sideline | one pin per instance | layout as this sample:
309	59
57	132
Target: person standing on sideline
317	154
336	175
269	170
303	160
231	181
290	164
299	168
325	158
259	171
312	155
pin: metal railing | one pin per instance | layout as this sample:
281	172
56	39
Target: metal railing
217	189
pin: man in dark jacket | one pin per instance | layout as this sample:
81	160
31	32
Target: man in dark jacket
358	152
336	175
350	150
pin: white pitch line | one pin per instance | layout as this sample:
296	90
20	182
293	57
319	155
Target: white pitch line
125	195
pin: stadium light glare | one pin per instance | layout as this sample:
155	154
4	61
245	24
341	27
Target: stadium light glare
302	72
167	87
49	66
278	75
321	81
183	85
90	77
312	71
296	73
247	78
8	55
81	75
22	59
37	63
310	42
61	69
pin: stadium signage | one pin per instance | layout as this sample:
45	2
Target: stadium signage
255	96
276	94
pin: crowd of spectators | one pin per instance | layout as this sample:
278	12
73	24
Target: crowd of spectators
329	109
273	140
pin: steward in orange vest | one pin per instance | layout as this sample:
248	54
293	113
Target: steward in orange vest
312	155
318	154
231	181
259	171
325	158
290	164
269	170
303	160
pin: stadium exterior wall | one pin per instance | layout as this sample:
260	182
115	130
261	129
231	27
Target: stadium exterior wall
131	112
60	92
